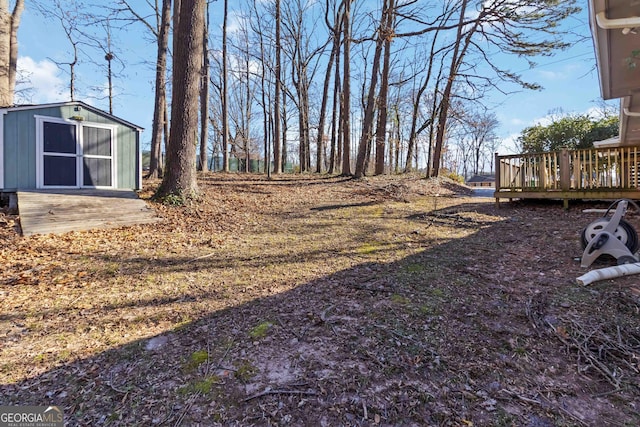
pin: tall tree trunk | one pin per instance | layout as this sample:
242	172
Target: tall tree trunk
166	128
334	153
155	166
225	92
283	137
265	108
13	56
72	72
396	147
247	131
109	56
459	51
204	97
9	23
369	112
277	153
381	129
323	111
415	131
325	96
345	109
432	137
180	176
303	122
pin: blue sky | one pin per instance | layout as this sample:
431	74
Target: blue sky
569	78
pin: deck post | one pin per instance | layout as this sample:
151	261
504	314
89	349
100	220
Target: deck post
13	203
565	175
565	170
496	185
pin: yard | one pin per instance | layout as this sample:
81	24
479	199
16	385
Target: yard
321	301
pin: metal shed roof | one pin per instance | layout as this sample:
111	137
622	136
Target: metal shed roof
74	103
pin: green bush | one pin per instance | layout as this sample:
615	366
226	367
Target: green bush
454	177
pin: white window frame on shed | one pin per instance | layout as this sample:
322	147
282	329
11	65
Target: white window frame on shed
79	154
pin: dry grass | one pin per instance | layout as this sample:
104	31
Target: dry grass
320	301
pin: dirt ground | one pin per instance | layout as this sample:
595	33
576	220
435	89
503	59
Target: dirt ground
325	301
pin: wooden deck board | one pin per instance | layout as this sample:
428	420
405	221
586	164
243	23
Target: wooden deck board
61	211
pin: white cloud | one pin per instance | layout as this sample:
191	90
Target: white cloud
517	122
551	75
509	145
544	121
40	82
569	71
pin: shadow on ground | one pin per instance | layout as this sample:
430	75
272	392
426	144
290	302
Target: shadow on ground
473	331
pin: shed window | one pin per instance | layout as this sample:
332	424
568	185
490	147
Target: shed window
60	171
97	172
96	141
59	138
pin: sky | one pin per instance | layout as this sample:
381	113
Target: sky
569	78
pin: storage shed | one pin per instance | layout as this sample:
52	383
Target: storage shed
69	145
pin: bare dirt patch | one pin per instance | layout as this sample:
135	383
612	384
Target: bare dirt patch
321	301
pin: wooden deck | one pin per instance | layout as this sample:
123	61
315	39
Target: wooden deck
61	211
587	174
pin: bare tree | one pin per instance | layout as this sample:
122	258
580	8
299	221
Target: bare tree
97	34
225	91
334	32
364	146
256	20
159	27
480	130
458	52
180	176
69	16
297	20
204	97
277	153
516	27
243	90
381	133
345	100
416	129
9	23
336	122
160	116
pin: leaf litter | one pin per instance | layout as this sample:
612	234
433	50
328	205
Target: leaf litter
307	300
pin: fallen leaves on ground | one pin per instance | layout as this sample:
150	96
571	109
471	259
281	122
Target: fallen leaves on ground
309	300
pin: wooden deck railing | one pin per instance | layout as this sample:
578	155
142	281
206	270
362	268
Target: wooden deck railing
570	170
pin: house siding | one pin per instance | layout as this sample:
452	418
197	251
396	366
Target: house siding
20	145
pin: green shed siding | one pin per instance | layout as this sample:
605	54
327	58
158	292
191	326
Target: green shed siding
20	149
127	156
19	166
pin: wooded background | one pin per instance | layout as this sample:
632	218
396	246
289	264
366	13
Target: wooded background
349	87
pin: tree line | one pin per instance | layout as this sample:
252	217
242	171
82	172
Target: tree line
349	87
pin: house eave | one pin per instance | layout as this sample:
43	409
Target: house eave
615	28
600	44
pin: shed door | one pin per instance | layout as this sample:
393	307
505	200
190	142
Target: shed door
75	155
97	157
59	155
